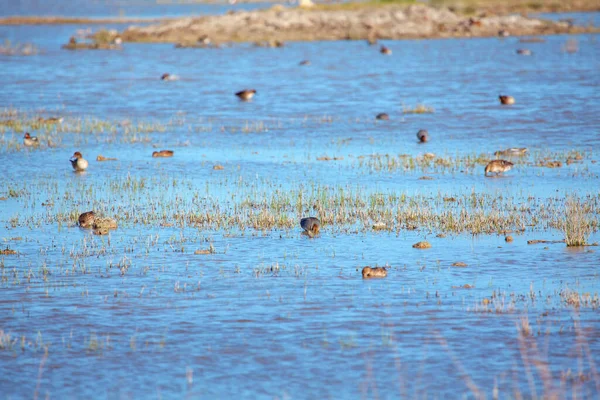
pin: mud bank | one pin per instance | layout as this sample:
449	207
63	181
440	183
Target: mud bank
300	24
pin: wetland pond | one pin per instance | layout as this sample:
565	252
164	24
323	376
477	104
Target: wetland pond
208	289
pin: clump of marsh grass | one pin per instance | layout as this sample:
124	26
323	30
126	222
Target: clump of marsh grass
6	341
576	226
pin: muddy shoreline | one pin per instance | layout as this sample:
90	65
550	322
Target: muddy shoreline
371	23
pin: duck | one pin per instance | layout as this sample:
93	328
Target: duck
513	151
524	52
246	94
30	141
383	117
87	219
385	50
304	62
506	100
105	223
163	153
423	136
311	226
78	162
375	272
498	167
169	77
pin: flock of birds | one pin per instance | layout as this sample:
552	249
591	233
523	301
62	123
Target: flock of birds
310	225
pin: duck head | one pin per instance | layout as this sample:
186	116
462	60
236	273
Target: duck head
77	155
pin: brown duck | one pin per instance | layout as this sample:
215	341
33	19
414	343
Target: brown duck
163	153
87	219
375	272
498	167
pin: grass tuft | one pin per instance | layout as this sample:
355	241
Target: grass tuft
577	228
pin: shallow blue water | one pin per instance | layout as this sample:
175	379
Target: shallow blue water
122	9
272	313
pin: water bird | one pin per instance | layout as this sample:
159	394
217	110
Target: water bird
169	77
105	223
423	136
385	50
304	62
383	117
163	153
311	226
506	100
513	151
86	220
474	22
78	162
246	94
503	33
524	52
498	167
375	272
29	140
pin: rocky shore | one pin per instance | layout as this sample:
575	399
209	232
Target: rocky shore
316	23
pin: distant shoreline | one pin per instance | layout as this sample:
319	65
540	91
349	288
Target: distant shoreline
343	22
58	20
471	7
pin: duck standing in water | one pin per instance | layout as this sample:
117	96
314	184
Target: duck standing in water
423	136
507	100
311	226
87	219
30	141
246	94
498	167
78	162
